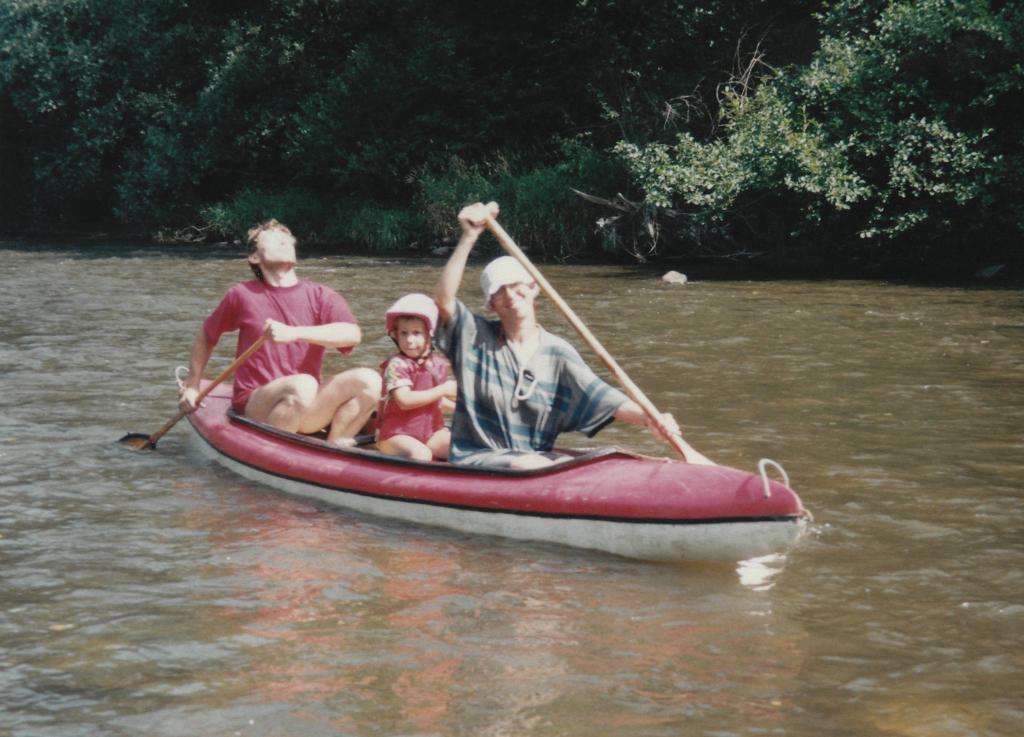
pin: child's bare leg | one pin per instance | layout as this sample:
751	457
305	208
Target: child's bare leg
439	443
406	447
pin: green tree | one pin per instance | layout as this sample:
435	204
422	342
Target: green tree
154	111
897	140
874	127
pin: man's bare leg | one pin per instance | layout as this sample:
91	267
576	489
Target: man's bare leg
283	402
345	402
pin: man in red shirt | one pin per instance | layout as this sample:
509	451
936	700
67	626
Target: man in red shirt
280	383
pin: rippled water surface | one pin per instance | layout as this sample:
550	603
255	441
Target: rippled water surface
158	594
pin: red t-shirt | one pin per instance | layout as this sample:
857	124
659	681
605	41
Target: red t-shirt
246	308
422	422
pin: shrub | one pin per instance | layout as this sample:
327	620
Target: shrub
376	228
539	207
299	209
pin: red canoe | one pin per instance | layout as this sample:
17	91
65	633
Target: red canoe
622	503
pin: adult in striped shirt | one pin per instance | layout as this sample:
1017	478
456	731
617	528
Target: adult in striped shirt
519	385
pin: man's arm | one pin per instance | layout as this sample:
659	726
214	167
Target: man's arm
634	414
331	335
202	348
472	218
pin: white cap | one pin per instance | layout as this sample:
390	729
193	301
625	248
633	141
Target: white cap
502	272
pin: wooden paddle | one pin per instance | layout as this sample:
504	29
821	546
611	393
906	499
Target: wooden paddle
148	442
632	390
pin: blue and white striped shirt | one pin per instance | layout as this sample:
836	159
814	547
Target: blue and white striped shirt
500	407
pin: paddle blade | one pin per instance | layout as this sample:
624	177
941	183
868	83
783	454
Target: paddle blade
138	441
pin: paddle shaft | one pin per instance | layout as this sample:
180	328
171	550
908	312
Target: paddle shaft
209	388
632	390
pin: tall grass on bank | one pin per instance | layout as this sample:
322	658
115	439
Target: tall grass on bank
538	206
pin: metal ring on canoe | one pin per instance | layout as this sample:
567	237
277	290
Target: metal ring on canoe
761	464
178	371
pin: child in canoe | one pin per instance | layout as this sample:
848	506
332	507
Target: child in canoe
415	384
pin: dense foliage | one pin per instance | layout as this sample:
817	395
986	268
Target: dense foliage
870	130
899	141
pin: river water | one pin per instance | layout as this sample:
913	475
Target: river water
158	594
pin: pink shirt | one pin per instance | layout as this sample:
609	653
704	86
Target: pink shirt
246	307
399	371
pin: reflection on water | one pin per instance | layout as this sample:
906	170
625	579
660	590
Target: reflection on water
154	593
426	631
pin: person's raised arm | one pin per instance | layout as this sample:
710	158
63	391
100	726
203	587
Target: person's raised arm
472	219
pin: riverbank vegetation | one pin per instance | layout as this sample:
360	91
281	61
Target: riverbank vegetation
853	136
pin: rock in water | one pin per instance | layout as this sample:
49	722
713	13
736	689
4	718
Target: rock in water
674	277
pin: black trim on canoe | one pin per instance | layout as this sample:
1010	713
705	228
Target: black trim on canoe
376	456
585	458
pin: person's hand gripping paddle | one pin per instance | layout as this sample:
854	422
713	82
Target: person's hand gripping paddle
140	441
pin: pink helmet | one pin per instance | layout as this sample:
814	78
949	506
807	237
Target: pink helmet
413	305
